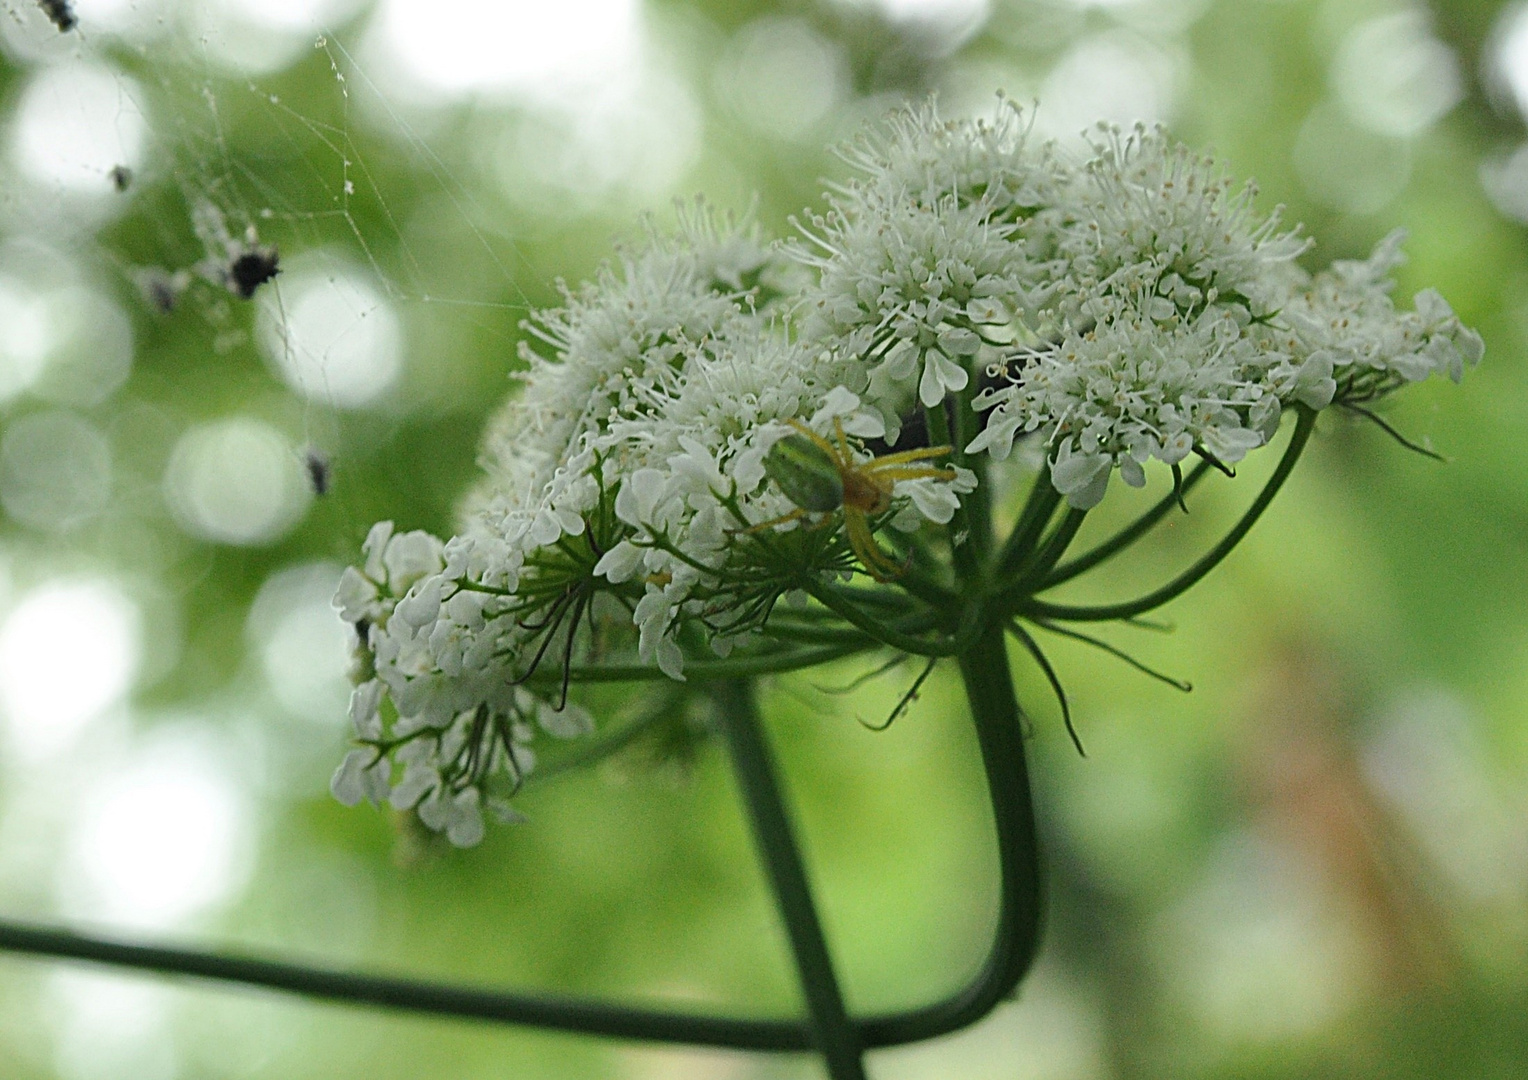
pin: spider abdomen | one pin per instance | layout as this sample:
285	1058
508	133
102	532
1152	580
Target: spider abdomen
807	474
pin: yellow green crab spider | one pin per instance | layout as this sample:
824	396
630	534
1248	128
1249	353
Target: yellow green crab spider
821	477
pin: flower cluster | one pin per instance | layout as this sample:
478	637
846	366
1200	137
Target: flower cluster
1131	307
638	496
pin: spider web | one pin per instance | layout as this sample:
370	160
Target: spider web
333	201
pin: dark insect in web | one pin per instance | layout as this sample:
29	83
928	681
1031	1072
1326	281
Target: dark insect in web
121	177
251	268
317	465
60	13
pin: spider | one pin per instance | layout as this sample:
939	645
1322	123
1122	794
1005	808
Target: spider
821	476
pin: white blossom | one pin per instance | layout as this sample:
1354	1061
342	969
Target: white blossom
1127	308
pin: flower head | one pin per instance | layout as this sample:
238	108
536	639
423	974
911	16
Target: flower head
697	433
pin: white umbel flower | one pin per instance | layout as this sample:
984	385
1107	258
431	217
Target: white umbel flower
695	434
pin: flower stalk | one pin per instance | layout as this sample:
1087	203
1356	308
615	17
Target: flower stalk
837	1038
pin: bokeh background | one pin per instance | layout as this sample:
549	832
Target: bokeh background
1316	864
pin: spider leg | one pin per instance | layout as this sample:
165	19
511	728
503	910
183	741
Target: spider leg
795	515
879	565
909	472
912	455
846	457
822	444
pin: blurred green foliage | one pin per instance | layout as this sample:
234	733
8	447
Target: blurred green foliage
1316	864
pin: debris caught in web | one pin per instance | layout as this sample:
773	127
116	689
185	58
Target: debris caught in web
161	288
241	266
251	268
60	13
316	462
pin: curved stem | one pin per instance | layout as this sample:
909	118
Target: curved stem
995	712
1129	534
837	1037
1031	607
830	598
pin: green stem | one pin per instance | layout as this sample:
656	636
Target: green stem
1129	534
773	662
670	700
1039	507
1049	553
542	1011
964	555
1033	608
837	1037
830	598
996	714
978	503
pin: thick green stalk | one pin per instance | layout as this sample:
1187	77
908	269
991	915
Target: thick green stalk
838	1038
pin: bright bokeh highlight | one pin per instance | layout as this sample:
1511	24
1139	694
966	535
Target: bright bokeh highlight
331	335
73	124
1114	77
55	471
26	335
235	481
304	648
69	651
159	839
522	48
1394	77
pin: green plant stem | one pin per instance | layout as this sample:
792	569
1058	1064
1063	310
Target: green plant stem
837	1037
670	700
1033	608
772	662
1129	534
467	1002
835	601
1040	562
999	732
978	503
1039	507
968	525
996	715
